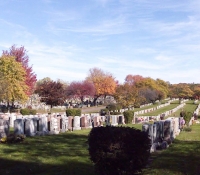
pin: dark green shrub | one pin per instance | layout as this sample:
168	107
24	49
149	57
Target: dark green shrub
187	116
115	113
103	112
182	113
113	107
25	111
32	111
128	115
70	112
187	129
73	112
118	150
77	112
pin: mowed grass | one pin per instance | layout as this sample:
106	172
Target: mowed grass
161	110
63	154
189	107
67	154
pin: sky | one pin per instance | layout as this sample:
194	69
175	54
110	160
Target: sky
64	39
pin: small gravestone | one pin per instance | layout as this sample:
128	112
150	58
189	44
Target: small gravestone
19	126
42	125
108	120
53	126
64	123
76	123
4	128
29	129
114	120
70	123
84	122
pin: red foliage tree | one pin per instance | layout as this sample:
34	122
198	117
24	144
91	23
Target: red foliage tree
21	56
51	92
132	79
80	89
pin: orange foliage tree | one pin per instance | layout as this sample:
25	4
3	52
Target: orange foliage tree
104	83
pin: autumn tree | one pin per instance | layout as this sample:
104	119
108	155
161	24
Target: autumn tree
104	83
12	80
80	89
20	55
53	93
196	92
132	79
181	90
158	85
126	95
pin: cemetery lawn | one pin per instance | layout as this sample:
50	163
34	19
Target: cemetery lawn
67	154
63	154
189	107
161	110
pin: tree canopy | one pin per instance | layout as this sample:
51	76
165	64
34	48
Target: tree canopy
20	55
12	80
104	83
53	93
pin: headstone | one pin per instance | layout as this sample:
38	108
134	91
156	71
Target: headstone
76	123
29	129
19	126
64	123
4	128
114	120
84	122
70	123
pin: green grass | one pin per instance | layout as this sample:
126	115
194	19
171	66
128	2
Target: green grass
67	154
50	155
189	107
160	111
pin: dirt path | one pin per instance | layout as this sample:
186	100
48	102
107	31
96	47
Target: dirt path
92	109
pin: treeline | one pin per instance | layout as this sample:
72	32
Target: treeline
18	82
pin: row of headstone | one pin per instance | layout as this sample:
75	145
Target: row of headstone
114	120
162	133
143	119
149	104
44	124
150	109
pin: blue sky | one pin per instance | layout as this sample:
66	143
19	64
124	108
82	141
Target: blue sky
66	38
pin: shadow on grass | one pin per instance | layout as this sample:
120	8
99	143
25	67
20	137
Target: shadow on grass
57	154
181	158
14	167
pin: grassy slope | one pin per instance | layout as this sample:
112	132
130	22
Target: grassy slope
67	154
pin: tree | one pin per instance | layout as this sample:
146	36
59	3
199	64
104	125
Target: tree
13	78
132	79
158	85
181	90
51	92
150	95
126	95
80	90
20	55
196	92
104	83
